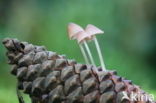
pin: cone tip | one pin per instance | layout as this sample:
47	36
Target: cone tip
5	40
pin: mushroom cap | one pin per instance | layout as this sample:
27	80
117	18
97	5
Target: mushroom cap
93	30
73	30
89	33
81	36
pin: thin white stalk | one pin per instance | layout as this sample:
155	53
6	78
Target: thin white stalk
100	54
83	53
89	53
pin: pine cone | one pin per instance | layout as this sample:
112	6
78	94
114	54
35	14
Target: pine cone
51	78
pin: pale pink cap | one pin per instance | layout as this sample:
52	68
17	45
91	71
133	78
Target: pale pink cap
81	36
73	30
89	33
93	30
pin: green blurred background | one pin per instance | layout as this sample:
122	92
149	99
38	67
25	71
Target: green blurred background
128	45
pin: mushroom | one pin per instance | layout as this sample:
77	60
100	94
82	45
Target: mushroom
73	30
89	34
80	38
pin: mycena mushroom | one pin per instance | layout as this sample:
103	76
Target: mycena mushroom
73	30
90	34
81	40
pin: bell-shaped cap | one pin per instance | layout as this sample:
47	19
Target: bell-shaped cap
93	30
73	30
81	36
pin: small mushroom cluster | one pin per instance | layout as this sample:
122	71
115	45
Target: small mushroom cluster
82	36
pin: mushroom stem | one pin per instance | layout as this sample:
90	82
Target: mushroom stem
99	53
83	53
89	53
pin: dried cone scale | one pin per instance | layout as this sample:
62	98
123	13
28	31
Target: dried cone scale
51	78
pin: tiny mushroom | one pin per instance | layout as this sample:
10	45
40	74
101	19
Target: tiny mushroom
73	29
89	34
82	38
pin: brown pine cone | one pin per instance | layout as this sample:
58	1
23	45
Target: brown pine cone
51	78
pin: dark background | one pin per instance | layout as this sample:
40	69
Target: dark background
128	45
